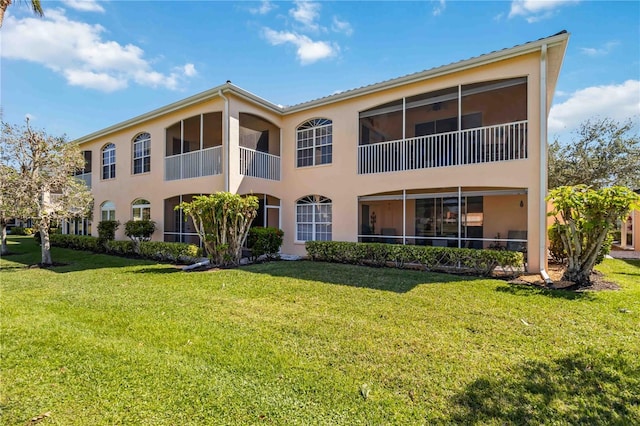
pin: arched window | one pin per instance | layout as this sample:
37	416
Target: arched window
109	161
142	153
107	211
141	209
314	142
313	218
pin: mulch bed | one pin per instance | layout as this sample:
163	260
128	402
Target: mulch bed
555	271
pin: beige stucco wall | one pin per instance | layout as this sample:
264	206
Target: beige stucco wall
339	180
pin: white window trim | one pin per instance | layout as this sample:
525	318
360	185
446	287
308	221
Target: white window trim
314	126
314	201
138	205
108	148
142	139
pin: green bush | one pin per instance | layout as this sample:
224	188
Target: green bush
76	242
454	260
264	241
170	252
107	230
139	230
120	248
20	230
153	250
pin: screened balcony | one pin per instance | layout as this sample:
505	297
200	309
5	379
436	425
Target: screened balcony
480	218
464	125
193	147
259	148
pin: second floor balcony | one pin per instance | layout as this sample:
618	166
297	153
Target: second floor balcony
467	124
487	144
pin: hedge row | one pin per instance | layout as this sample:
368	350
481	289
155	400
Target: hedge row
155	250
445	259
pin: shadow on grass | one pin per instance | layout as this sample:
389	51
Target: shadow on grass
385	279
28	255
530	290
582	388
159	270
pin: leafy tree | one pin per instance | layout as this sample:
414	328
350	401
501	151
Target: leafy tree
35	6
583	218
605	153
46	192
8	183
222	221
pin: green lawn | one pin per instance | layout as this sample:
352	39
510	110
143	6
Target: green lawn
107	340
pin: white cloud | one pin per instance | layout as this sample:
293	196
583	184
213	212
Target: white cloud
77	51
617	101
94	80
439	8
84	5
265	7
341	26
600	51
536	10
189	70
306	13
308	51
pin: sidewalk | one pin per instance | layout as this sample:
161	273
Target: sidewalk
625	254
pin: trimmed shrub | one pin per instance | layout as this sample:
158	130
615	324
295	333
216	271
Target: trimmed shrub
76	242
182	253
445	259
154	250
139	230
120	248
107	230
264	241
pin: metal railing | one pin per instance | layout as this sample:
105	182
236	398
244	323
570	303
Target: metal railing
206	162
259	164
501	142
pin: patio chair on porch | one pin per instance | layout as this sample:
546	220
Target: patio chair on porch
516	245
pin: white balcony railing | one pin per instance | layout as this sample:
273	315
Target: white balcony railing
259	164
86	177
502	142
206	162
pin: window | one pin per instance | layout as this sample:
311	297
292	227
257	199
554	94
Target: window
108	211
313	218
314	142
109	161
141	209
142	153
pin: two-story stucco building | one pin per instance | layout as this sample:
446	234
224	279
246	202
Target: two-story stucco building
451	156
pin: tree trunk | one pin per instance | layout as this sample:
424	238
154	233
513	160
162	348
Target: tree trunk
45	244
5	248
577	275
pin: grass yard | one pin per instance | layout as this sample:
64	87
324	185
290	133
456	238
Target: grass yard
107	340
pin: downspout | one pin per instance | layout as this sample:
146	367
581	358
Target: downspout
543	164
225	139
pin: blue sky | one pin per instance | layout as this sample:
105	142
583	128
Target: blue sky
90	64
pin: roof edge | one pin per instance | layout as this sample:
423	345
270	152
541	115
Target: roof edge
228	87
496	56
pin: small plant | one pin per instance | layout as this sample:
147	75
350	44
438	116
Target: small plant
264	241
107	230
139	230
